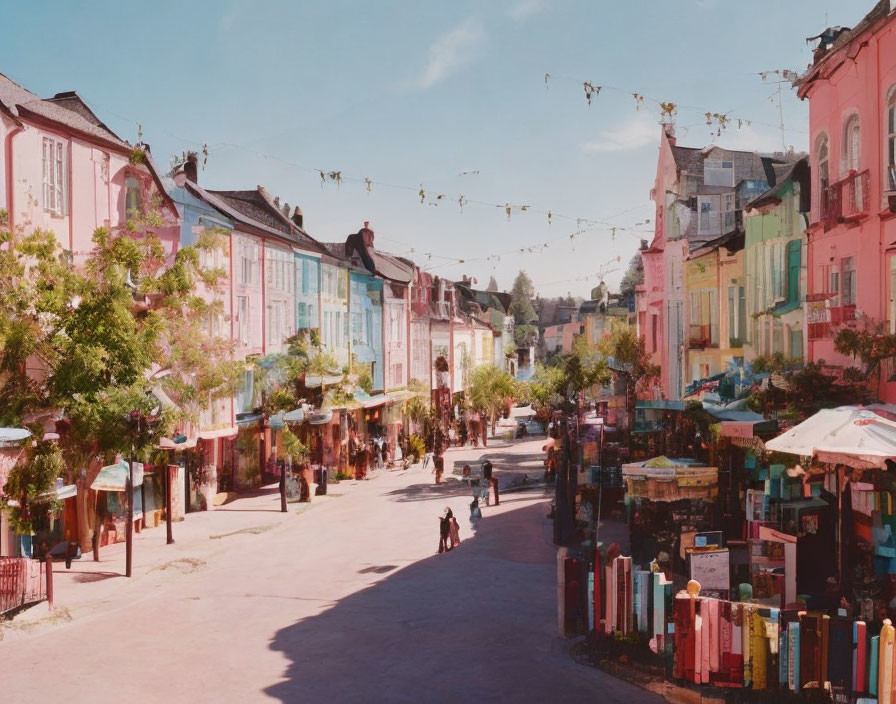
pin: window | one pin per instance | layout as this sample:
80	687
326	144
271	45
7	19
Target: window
248	272
242	307
737	316
132	200
824	176
892	295
718	172
852	148
54	181
890	176
848	267
851	143
796	342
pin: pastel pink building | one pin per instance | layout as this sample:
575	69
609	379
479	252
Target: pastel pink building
63	170
851	87
559	338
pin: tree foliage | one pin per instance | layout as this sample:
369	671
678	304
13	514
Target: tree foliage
490	388
633	277
91	343
522	309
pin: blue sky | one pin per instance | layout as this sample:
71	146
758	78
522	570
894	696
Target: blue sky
450	96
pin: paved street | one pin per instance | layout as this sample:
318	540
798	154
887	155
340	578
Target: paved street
343	600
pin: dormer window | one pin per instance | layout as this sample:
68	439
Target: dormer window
718	172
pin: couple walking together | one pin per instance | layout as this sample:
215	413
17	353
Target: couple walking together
449	531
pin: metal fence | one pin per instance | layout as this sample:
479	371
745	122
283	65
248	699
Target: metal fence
22	581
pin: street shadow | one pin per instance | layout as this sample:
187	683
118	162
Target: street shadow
423	492
88	577
474	624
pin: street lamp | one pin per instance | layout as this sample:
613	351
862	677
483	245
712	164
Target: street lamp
129	544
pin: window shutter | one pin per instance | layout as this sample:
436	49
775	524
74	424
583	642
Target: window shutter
46	180
794	252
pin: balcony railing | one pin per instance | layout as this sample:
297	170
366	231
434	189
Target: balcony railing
700	336
824	323
847	198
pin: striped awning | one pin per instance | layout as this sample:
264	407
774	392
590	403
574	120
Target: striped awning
114	477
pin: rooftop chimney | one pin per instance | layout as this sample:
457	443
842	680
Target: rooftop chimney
191	168
367	234
297	217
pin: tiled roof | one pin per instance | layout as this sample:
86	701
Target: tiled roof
66	109
255	208
388	266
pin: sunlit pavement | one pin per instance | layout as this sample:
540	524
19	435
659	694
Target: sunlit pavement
342	600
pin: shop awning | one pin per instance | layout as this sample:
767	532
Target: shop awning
404	395
321	418
60	492
295	416
12	436
313	381
169	444
247	418
373	401
847	435
742	424
114	477
227	432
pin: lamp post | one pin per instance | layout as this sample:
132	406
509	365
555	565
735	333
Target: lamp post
129	530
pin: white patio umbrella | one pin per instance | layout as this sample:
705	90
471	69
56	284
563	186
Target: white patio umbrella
848	435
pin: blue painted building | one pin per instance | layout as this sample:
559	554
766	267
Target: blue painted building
366	314
307	292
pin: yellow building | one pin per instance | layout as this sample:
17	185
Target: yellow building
716	307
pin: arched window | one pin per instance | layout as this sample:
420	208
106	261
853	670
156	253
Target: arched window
890	123
853	201
822	158
851	143
132	203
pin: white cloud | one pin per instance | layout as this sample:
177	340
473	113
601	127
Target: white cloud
524	9
637	133
451	52
750	138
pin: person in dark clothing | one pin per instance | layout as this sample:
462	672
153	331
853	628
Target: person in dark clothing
487	470
444	530
494	482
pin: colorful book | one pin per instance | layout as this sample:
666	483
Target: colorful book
859	663
873	669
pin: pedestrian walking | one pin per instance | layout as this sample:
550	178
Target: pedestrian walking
475	512
487	470
444	531
454	532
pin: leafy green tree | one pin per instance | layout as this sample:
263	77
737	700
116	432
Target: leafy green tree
490	389
84	342
633	277
522	310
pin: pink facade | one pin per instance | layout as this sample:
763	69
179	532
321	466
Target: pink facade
661	313
851	89
559	338
62	170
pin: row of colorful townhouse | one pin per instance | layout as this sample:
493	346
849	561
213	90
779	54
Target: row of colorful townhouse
761	254
62	169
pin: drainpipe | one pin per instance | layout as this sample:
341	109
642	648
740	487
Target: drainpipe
10	180
71	211
264	310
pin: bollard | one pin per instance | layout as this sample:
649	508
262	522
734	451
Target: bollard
48	561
